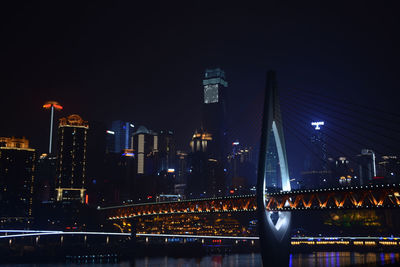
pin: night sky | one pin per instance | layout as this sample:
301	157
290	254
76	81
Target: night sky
145	62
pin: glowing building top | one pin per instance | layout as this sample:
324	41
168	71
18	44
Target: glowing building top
317	124
214	81
15	143
73	121
200	141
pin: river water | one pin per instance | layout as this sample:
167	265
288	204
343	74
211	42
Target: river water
326	259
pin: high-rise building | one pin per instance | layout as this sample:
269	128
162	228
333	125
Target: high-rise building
343	173
17	169
72	162
241	169
200	141
145	145
206	176
44	178
215	112
316	173
119	137
181	171
167	150
367	167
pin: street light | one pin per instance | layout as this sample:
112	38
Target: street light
52	105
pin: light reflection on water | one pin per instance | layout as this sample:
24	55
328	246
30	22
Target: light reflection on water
325	259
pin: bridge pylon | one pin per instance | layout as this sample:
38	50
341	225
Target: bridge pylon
274	236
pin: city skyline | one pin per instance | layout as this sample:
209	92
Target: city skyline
258	132
328	60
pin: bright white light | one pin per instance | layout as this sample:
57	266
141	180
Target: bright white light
317	124
37	233
110	132
235	143
171	170
131	125
201	236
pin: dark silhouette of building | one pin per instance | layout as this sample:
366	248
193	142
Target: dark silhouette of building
17	174
206	176
389	168
117	184
316	172
181	172
72	159
45	177
166	150
96	152
242	169
342	172
366	167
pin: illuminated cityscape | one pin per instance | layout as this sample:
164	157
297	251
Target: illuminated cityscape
221	135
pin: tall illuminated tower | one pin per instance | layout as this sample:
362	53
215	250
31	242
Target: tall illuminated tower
72	161
215	111
52	105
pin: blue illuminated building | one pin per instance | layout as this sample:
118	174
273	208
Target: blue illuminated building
119	137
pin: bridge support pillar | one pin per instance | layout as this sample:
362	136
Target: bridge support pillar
274	236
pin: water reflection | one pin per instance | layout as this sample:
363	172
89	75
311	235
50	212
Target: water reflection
325	259
336	259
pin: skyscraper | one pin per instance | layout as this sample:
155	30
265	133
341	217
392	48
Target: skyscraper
367	167
167	150
72	161
119	137
316	173
215	112
145	145
17	168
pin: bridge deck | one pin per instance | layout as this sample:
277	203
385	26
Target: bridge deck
362	197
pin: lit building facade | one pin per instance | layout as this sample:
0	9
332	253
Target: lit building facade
215	112
119	137
200	141
145	145
17	174
72	159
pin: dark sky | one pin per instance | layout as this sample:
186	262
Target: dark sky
145	62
